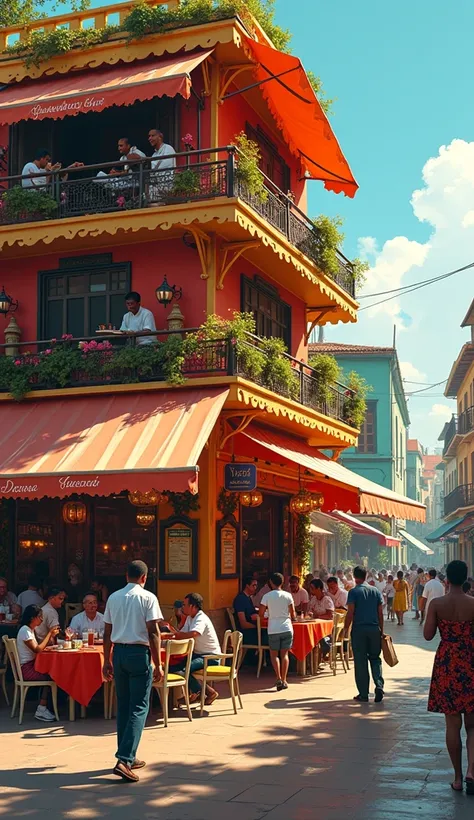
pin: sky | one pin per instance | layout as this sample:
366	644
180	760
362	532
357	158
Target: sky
402	76
404	117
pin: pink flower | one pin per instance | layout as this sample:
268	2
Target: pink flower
82	345
17	362
66	336
53	341
188	139
48	351
63	196
121	201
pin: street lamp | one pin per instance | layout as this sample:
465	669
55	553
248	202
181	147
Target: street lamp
166	293
7	304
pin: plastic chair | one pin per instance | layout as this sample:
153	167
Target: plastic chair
21	685
71	610
337	643
260	647
171	680
221	672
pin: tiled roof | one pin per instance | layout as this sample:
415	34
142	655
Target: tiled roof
338	347
413	445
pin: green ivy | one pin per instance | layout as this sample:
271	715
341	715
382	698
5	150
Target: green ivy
355	402
183	503
41	46
326	241
343	536
327	373
303	542
227	503
186	183
247	167
278	373
22	203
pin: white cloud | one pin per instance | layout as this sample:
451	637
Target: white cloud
367	247
441	410
411	373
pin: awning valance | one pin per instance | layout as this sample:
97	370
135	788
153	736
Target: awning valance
444	530
105	444
415	542
362	528
85	92
300	117
342	488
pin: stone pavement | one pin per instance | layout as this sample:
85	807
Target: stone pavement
303	753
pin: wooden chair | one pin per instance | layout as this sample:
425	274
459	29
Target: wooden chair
210	674
337	642
171	680
259	647
3	673
71	610
21	685
347	648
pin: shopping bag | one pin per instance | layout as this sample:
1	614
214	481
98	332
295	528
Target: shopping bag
388	651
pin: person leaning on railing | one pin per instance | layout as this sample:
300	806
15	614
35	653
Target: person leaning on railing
31	173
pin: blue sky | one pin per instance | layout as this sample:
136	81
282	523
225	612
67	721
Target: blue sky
401	74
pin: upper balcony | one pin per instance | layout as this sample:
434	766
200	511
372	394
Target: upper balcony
460	498
90	198
452	436
267	379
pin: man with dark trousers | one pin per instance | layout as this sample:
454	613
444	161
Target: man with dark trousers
131	620
365	613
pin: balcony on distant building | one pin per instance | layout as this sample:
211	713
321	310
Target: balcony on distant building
460	498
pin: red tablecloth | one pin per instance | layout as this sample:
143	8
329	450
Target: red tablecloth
77	673
307	635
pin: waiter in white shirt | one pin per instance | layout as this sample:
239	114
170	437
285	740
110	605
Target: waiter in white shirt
89	618
131	620
138	320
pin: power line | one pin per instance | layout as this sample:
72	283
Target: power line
429	387
410	288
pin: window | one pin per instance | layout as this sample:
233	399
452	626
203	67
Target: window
272	315
368	434
271	163
84	293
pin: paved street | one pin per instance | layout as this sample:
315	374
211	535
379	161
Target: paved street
304	753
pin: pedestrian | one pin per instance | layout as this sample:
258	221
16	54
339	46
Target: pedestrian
365	614
281	614
418	585
400	602
433	589
131	625
452	681
389	595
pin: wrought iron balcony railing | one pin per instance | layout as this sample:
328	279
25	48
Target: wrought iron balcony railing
122	361
462	496
199	175
466	421
451	431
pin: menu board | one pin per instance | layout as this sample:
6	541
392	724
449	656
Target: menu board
227	557
179	549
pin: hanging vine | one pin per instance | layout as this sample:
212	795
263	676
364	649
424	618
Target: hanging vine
303	542
183	503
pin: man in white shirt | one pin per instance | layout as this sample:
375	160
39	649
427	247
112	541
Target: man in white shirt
299	594
128	153
433	589
138	320
8	599
281	614
56	598
89	618
199	626
131	625
163	161
31	173
31	595
337	595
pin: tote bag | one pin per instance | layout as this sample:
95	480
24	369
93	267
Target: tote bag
388	651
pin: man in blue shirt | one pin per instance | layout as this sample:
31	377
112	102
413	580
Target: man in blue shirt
365	613
245	611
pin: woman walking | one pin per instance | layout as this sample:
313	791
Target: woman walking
400	602
452	681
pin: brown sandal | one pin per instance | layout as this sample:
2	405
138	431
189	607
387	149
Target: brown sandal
124	771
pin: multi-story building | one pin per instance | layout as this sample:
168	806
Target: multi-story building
458	454
94	430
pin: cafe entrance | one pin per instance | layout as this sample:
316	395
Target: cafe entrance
266	537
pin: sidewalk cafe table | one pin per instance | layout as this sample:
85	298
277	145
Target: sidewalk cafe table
306	637
77	672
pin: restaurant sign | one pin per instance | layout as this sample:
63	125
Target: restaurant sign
38	485
240	478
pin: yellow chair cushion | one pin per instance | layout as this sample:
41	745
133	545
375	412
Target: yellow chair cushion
172	678
223	671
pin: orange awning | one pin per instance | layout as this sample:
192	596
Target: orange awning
362	528
83	92
342	488
300	117
105	444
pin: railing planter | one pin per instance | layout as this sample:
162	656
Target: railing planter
197	177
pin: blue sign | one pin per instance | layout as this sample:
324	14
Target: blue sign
239	478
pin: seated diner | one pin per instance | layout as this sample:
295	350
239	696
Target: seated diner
199	626
28	647
89	618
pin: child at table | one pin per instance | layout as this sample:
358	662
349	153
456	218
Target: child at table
28	647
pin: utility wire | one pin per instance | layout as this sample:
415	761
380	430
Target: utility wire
410	288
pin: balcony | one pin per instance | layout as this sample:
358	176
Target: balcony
115	360
199	176
462	496
466	421
452	431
